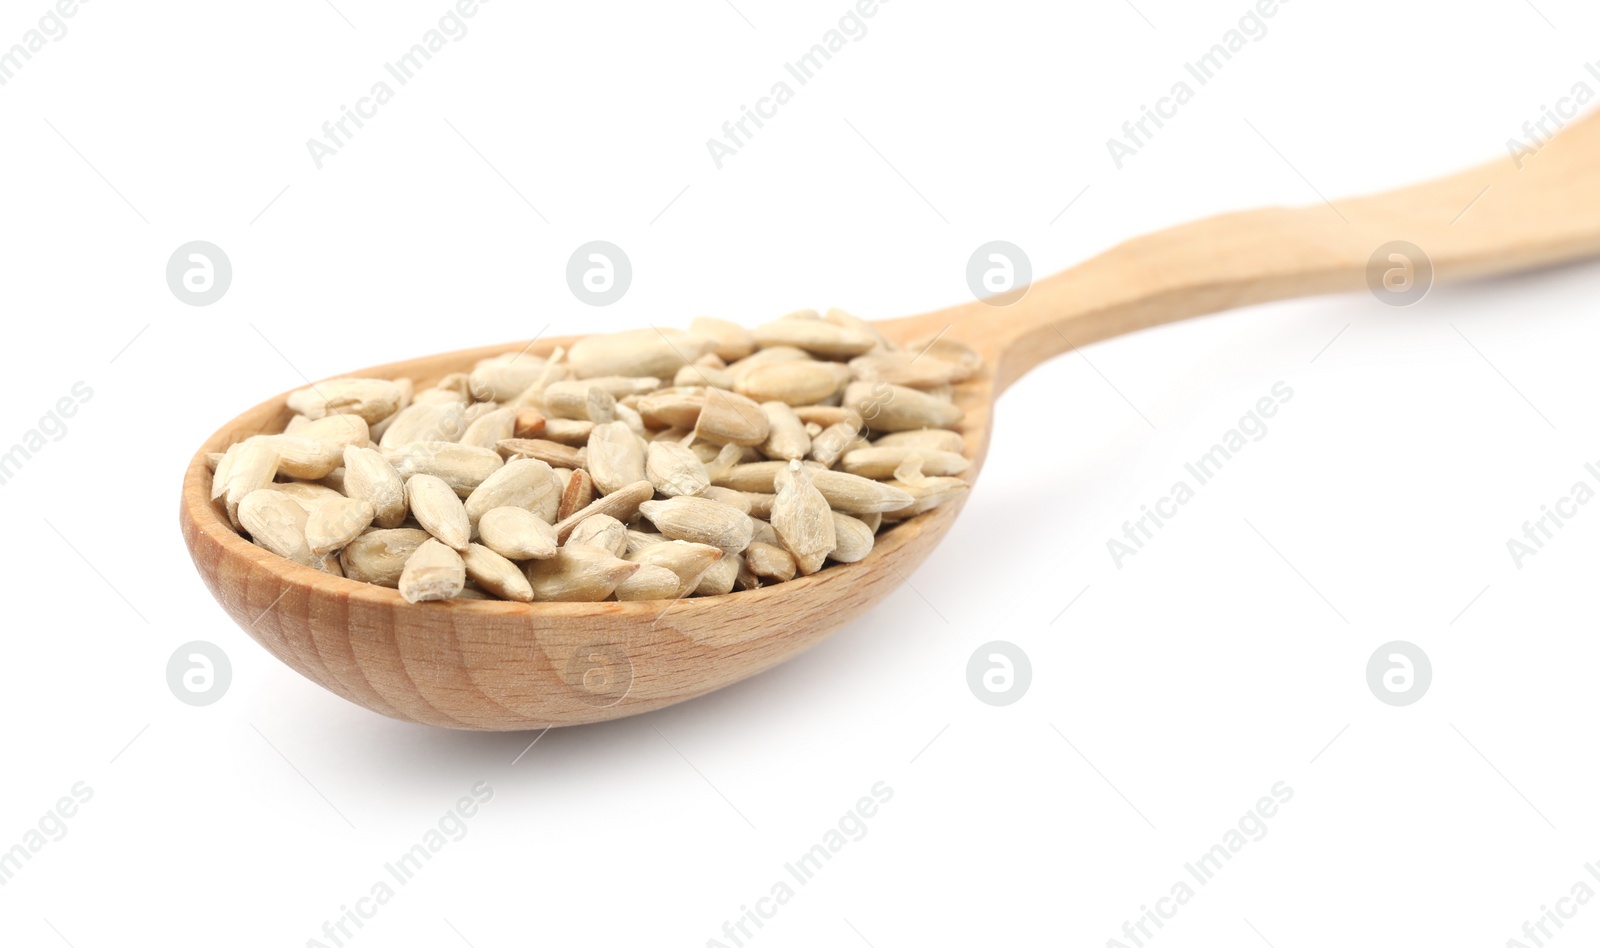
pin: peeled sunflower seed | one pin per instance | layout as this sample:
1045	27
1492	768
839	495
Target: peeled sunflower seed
730	341
602	531
379	556
730	418
615	457
636	352
879	462
794	383
802	518
439	510
517	534
334	523
674	470
699	520
372	399
276	522
424	421
888	407
687	561
814	336
523	482
461	466
434	572
649	582
786	434
578	574
496	574
369	477
853	539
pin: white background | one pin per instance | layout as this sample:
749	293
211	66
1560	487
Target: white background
1170	696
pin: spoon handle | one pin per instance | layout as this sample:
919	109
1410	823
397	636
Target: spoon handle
1512	214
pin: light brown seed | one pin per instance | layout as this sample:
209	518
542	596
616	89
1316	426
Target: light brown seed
904	368
928	493
334	523
794	383
738	500
639	539
729	340
439	510
254	466
636	352
491	427
721	577
517	534
768	356
823	416
702	375
802	518
496	574
848	493
786	433
551	453
277	522
675	470
730	418
379	556
578	494
461	466
929	439
530	423
615	457
600	530
622	504
578	574
424	421
649	582
879	463
853	539
770	562
503	378
675	408
688	561
522	482
888	407
572	400
310	496
814	336
831	444
841	318
433	573
369	477
372	399
699	520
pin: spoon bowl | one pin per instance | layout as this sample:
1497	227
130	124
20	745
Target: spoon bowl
492	665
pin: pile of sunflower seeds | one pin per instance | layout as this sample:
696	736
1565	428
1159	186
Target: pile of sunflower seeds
647	464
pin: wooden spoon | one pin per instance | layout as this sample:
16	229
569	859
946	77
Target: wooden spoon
491	665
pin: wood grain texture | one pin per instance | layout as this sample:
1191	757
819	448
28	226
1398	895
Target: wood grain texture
512	666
